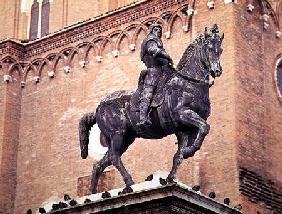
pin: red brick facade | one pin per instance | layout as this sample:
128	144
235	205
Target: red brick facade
51	82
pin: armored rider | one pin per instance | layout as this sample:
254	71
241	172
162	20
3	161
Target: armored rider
158	63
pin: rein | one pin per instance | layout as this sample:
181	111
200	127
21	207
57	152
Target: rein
203	82
202	55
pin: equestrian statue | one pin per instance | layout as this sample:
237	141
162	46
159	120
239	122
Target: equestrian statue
167	101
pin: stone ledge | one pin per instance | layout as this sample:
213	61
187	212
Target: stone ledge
166	199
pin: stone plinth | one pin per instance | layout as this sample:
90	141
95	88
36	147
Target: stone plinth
162	199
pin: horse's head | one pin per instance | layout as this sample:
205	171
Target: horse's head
202	57
213	50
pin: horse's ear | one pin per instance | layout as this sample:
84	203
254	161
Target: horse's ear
222	37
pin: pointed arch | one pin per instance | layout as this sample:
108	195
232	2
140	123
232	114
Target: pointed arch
29	67
120	38
182	13
37	62
167	16
72	53
116	32
140	28
98	41
59	56
82	48
89	47
44	62
130	27
106	40
171	21
15	66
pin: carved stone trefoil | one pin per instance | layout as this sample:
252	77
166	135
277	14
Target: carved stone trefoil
36	79
51	74
99	58
265	17
250	8
82	63
132	47
191	12
211	4
115	53
185	28
67	69
7	78
167	34
265	25
22	84
278	34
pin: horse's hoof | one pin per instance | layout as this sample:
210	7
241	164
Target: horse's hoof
106	194
149	178
170	180
163	181
126	190
93	191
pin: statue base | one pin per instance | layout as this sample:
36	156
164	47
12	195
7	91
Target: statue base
171	198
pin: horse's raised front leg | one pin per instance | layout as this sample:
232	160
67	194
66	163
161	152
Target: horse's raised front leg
116	152
97	171
189	117
182	139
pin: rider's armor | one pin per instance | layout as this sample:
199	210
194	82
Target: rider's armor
155	58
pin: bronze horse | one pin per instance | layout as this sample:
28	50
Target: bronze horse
183	111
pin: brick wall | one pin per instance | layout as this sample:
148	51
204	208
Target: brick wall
9	14
64	12
258	110
9	135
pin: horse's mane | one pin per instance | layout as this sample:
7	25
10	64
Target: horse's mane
198	42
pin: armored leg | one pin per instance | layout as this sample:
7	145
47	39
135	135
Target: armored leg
150	83
145	102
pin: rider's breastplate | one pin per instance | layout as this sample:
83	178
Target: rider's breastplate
149	60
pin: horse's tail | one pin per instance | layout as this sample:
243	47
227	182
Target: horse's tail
85	125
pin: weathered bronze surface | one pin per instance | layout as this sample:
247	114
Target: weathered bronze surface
179	104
